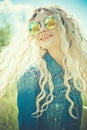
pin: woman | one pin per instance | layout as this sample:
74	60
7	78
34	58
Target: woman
51	67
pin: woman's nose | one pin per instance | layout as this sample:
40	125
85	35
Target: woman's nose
43	29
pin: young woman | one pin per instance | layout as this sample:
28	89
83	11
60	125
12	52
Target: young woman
51	67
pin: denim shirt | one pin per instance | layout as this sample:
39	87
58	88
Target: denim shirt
56	117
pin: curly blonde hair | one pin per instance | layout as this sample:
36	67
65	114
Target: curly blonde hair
17	57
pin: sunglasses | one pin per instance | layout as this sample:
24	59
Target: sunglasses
50	22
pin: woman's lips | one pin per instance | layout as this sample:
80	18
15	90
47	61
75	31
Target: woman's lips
45	37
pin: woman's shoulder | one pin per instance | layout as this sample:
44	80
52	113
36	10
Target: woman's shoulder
31	72
29	77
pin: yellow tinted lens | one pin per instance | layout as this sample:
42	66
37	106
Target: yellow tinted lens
34	27
50	22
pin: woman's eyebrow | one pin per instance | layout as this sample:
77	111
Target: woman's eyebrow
39	23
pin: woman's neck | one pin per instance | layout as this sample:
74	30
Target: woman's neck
57	54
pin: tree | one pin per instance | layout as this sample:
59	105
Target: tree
5	35
8	109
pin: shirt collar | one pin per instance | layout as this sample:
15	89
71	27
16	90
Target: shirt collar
53	66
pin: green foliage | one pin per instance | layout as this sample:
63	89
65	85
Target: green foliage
5	35
8	110
8	105
84	115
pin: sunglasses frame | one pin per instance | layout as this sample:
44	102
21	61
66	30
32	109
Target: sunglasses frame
55	17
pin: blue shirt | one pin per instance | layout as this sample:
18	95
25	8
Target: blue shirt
57	116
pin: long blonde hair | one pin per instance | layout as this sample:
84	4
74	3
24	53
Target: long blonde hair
17	57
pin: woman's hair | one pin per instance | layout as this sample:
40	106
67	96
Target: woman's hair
17	57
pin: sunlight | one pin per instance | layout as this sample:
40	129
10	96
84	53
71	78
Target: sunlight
14	14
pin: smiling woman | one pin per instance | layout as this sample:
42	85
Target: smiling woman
49	89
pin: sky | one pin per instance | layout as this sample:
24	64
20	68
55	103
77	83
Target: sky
78	8
69	4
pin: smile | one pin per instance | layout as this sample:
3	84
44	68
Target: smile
45	37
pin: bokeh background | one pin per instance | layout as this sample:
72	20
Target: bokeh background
13	16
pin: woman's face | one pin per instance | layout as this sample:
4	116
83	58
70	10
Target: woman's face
47	38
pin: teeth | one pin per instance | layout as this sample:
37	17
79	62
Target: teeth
46	36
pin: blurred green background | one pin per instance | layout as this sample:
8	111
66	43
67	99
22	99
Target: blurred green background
8	110
8	103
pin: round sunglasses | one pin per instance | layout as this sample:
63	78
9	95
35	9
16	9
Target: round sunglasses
50	22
